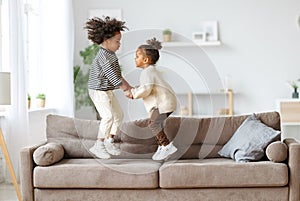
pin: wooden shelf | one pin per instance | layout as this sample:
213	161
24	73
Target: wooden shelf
207	93
191	44
201	116
229	109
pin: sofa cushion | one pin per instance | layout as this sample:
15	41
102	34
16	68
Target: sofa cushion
48	154
249	141
277	151
221	172
137	140
97	173
76	135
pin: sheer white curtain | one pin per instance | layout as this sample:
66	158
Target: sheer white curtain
16	131
57	54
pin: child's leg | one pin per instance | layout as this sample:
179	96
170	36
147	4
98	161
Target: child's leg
117	116
156	124
165	148
102	101
115	123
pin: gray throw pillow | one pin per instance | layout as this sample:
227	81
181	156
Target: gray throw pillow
48	154
249	141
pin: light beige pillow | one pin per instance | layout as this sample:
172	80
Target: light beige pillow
277	151
48	154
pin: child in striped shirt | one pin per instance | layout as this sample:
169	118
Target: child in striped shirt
105	77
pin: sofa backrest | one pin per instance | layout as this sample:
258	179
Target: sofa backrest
194	137
76	135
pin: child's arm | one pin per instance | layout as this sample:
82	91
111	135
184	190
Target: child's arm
147	83
125	85
142	91
128	94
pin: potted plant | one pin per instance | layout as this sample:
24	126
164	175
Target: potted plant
28	101
40	100
81	76
167	35
294	85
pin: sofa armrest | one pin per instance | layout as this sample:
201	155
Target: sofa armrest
294	167
26	171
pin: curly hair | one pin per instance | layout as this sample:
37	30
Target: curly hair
151	49
101	29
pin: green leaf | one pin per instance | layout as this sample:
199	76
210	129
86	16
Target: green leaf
76	71
81	79
89	53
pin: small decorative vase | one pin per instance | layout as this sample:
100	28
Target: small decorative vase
40	103
167	37
295	93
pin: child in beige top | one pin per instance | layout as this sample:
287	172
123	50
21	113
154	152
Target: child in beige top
157	94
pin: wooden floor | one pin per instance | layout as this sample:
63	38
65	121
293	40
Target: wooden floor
7	192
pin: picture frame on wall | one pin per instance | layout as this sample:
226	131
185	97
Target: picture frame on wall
199	37
211	30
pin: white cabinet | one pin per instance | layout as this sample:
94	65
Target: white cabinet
289	110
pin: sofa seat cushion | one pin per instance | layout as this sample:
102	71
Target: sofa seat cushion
98	173
220	172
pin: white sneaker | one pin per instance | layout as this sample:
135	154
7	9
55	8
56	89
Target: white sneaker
111	147
99	150
165	152
157	152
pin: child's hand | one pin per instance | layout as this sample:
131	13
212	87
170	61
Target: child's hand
128	94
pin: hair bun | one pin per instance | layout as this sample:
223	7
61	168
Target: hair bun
154	43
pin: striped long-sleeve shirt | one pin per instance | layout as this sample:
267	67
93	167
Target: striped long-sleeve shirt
105	73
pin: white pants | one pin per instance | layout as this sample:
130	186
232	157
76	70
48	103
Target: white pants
109	110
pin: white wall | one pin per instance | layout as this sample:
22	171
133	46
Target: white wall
260	40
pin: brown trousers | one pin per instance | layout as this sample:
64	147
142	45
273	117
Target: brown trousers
156	124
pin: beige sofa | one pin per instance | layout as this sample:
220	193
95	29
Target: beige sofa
195	172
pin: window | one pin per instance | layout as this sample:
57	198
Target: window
4	30
47	49
32	46
4	47
33	34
